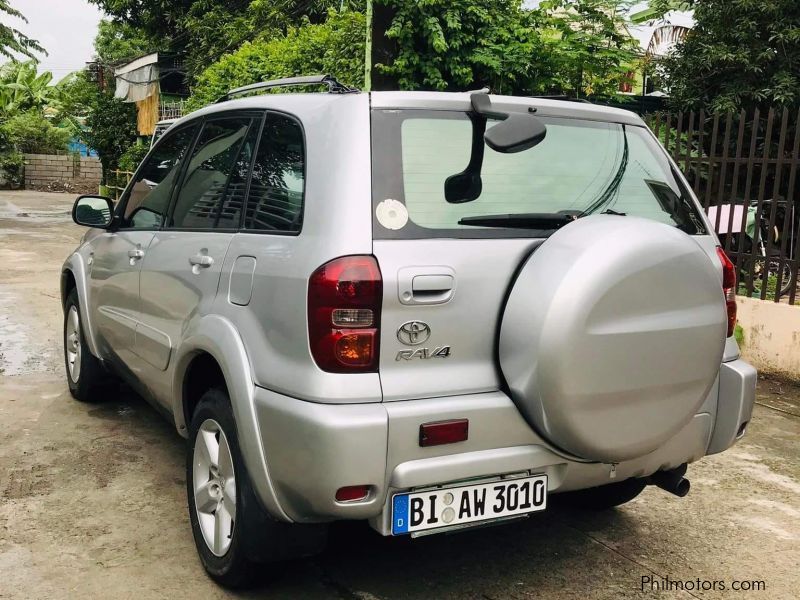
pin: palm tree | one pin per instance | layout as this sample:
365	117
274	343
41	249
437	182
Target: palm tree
665	35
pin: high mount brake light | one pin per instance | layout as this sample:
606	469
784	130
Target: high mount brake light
729	287
344	313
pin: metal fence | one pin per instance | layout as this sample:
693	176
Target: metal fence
171	110
744	169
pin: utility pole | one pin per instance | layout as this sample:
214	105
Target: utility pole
368	50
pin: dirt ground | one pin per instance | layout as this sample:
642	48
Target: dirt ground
92	500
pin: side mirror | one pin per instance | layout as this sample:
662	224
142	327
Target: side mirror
93	211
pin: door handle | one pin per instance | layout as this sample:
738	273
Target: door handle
135	254
426	285
431	289
201	260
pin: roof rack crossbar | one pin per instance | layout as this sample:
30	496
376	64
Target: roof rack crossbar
334	87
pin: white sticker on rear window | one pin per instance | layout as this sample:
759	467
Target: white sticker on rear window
392	214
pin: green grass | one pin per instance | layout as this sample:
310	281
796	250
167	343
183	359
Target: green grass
772	286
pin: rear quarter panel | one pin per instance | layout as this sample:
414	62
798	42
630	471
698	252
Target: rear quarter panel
336	222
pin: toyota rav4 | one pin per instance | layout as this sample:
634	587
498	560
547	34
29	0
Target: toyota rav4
423	310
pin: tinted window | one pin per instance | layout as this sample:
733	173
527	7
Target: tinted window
148	197
580	167
214	158
275	200
233	202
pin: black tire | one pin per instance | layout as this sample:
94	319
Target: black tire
255	536
605	496
91	376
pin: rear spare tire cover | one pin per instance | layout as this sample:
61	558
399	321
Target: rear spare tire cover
613	335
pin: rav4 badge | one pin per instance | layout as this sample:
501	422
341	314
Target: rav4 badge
424	353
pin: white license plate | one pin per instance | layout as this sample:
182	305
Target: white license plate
446	507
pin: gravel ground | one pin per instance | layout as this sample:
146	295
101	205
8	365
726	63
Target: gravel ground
92	500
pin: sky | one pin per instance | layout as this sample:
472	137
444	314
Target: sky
65	28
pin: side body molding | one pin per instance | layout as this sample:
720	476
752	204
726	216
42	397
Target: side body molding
76	264
218	337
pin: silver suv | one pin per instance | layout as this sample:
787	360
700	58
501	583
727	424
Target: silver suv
424	310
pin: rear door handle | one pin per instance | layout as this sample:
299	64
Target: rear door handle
135	254
426	285
201	260
431	288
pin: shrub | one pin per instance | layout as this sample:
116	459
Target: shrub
12	167
336	47
32	132
134	155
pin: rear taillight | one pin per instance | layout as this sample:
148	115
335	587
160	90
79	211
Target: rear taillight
344	314
729	287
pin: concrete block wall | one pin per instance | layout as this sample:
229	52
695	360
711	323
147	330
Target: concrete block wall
44	169
771	335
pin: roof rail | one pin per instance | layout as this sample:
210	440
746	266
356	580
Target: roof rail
334	87
564	98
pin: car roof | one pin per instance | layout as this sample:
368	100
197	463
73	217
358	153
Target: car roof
544	106
300	104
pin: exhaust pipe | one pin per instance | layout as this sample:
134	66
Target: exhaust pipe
672	481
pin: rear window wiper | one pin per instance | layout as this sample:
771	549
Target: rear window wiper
544	221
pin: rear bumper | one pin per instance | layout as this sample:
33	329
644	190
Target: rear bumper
312	450
737	394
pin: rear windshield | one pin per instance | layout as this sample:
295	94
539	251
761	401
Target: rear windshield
581	167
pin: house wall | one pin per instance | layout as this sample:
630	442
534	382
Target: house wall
42	170
771	335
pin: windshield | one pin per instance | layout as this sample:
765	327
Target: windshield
581	167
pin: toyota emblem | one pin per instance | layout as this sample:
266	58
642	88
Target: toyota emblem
413	333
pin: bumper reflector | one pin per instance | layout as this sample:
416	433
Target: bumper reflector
443	432
352	493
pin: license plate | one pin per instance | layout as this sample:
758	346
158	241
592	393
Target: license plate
446	507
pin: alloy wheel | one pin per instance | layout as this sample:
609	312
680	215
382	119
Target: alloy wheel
214	485
72	344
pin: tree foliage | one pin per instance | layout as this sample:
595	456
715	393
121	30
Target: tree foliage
117	42
133	155
13	41
111	128
740	54
216	27
155	18
335	46
23	88
32	132
574	46
593	50
453	44
205	30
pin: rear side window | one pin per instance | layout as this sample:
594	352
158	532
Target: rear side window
277	185
581	167
149	193
205	186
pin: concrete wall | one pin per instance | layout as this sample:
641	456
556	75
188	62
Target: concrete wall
771	335
44	169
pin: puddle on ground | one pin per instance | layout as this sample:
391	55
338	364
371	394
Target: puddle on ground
16	355
12	212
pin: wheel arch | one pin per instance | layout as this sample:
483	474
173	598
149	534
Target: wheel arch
212	348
